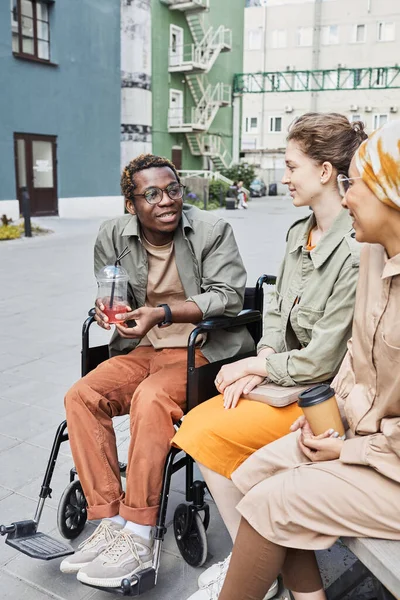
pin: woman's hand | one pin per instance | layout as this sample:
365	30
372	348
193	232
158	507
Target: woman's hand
254	365
319	449
228	374
302	424
244	385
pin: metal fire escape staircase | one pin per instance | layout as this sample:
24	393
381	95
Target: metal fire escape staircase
195	61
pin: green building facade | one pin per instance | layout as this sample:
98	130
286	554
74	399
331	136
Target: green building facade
197	47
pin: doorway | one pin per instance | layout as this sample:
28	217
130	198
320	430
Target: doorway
36	170
176	157
175	108
175	46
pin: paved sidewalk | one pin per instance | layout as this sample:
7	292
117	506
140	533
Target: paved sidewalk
47	285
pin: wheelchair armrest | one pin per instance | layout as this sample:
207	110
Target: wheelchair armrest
92	312
243	318
266	280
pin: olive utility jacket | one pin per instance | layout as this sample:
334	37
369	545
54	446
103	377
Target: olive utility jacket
309	320
209	266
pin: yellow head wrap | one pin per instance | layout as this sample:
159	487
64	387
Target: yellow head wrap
378	161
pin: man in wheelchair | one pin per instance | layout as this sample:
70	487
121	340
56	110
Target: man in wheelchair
184	266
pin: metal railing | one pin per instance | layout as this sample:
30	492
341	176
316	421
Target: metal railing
187	4
213	98
206	175
200	56
213	145
202	115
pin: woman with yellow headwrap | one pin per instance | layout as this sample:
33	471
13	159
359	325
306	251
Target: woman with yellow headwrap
301	493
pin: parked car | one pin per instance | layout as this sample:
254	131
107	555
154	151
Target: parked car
258	188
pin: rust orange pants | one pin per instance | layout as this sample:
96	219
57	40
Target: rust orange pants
150	386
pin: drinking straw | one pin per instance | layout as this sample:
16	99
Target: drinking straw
124	253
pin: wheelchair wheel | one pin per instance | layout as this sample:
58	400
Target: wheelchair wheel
72	513
190	535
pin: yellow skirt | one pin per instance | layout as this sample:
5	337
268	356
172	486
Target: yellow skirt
222	439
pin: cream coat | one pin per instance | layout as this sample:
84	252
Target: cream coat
299	504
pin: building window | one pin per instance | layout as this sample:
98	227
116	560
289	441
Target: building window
251	124
330	35
255	39
386	32
278	38
304	36
379	120
357	77
301	81
275	124
30	29
359	33
354	118
381	78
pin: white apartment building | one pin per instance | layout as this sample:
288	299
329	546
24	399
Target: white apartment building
295	37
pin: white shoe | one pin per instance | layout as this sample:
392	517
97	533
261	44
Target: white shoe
214	572
88	550
210	591
124	557
212	580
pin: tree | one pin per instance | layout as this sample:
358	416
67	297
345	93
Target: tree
241	172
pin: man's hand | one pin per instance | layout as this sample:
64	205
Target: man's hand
100	318
242	386
146	318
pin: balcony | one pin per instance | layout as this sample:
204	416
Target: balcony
199	118
200	58
186	59
179	122
187	5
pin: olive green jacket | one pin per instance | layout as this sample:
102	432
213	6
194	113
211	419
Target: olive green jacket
209	266
310	316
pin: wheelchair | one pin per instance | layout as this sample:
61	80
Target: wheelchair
190	520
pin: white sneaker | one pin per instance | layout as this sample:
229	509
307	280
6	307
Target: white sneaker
124	557
213	579
89	549
214	572
210	591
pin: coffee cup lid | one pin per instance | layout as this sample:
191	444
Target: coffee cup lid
315	395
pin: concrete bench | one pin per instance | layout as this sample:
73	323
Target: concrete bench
381	558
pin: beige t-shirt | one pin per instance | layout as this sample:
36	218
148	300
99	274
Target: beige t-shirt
164	287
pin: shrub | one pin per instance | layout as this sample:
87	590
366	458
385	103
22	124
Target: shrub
241	172
9	232
214	191
13	232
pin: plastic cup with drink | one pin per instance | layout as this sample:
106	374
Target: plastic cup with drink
112	291
320	408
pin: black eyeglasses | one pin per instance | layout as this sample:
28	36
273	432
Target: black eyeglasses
154	195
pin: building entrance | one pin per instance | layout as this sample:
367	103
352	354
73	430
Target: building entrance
36	170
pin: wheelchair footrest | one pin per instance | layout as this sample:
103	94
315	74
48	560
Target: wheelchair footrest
24	537
135	586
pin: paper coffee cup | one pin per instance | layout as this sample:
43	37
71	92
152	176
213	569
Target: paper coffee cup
320	408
